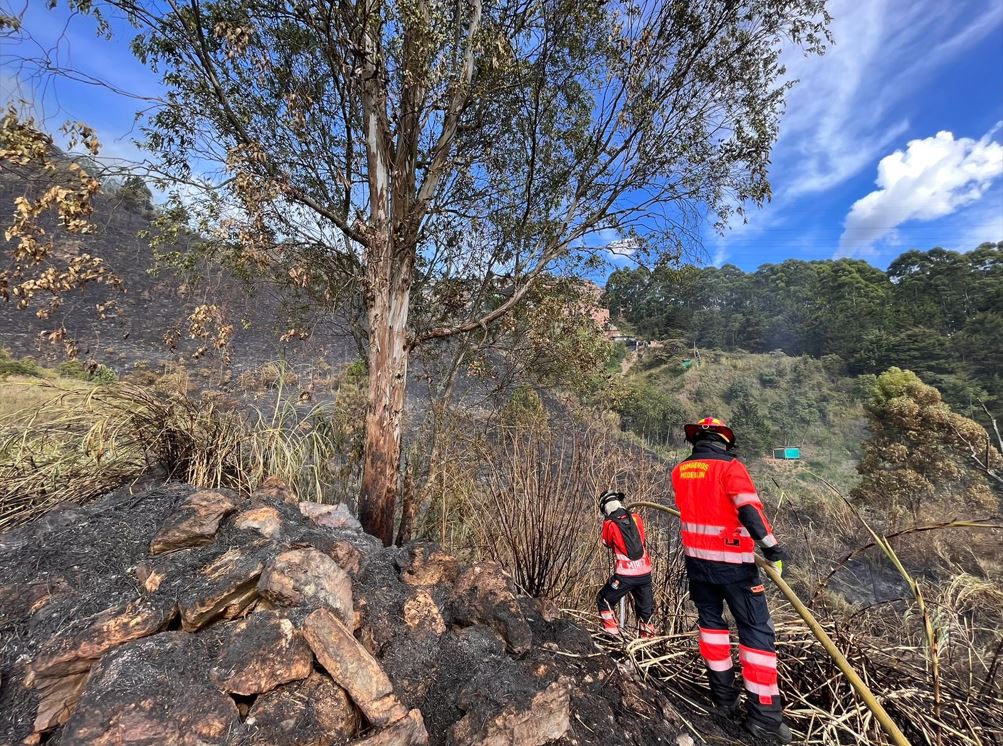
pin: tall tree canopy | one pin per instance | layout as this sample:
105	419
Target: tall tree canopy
402	150
921	456
935	312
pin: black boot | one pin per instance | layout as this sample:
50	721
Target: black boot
771	734
726	710
725	700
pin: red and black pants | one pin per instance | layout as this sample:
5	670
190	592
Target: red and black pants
756	649
618	586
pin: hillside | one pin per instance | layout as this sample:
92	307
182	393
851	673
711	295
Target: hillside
771	400
935	312
158	296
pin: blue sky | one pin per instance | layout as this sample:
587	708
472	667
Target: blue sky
891	141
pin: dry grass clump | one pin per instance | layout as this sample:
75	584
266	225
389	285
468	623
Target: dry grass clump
60	447
820	706
78	444
270	375
533	502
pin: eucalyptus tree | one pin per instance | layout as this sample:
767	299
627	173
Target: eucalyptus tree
439	158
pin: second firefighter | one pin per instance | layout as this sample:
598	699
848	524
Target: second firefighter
623	533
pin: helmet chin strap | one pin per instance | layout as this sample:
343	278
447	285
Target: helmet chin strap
612	506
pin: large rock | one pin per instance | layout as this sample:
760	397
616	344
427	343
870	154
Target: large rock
422	613
195	522
153	691
57	696
308	577
311	712
18	601
262	652
264	519
428	564
352	667
330	516
347	556
482	594
408	731
546	718
221	589
61	667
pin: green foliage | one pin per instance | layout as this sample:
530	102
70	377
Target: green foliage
618	353
524	408
748	419
653	414
26	366
136	194
769	378
357	371
810	403
921	456
103	374
934	312
93	373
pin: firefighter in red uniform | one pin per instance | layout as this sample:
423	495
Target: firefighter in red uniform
722	519
623	532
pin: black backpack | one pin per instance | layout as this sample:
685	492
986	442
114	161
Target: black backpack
630	533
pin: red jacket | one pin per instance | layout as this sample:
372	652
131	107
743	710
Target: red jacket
613	529
720	512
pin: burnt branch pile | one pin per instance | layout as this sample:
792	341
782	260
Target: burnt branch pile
821	707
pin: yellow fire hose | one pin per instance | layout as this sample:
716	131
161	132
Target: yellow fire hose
856	682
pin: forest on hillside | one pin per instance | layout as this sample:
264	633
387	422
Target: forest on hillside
938	313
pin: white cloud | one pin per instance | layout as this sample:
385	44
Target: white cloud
932	178
623	247
720	256
852	105
846	109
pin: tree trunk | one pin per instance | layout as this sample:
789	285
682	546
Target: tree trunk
390	289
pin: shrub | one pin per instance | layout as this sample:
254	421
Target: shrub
524	408
103	375
651	413
535	505
90	442
769	378
92	373
26	366
270	375
72	369
357	371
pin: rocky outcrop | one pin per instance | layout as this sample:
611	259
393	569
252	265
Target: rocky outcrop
308	577
202	617
263	651
195	523
544	719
